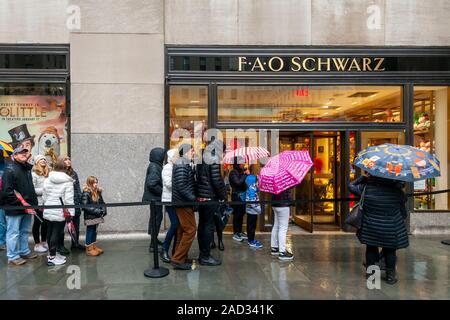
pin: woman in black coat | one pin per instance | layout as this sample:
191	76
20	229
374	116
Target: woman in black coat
383	222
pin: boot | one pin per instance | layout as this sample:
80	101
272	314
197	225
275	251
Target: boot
165	256
221	246
390	276
99	250
90	251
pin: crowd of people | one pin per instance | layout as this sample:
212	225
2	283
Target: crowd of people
42	184
173	178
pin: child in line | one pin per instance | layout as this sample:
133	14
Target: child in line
252	210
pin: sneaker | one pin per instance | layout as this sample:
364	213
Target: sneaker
60	257
39	248
17	262
182	266
45	244
63	251
237	237
243	236
255	244
286	256
274	251
31	255
55	261
209	262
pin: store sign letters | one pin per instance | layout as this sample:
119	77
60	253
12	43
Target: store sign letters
310	64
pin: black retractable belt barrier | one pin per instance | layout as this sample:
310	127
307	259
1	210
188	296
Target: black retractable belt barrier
159	272
156	271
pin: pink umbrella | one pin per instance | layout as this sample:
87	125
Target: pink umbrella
248	153
284	170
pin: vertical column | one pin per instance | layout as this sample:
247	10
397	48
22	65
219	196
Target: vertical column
441	145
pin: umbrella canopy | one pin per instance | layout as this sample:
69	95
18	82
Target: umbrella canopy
284	171
6	148
248	153
398	162
71	229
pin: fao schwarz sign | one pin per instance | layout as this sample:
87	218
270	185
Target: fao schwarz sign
310	64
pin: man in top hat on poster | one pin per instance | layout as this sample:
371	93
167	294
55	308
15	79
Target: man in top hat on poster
21	137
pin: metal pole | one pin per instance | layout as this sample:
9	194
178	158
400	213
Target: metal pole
156	271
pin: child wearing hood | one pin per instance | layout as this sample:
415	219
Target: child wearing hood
252	210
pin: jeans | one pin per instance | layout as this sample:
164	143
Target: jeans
39	228
2	227
17	236
373	255
280	228
172	229
206	226
91	234
54	235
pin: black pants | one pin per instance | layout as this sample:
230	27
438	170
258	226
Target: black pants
238	215
158	214
373	256
39	228
206	226
54	231
251	226
219	230
76	220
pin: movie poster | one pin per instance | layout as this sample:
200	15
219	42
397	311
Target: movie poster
36	122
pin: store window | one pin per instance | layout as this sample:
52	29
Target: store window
310	103
431	132
36	116
188	115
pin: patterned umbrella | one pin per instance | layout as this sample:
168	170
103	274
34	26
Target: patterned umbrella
284	171
6	148
248	153
398	162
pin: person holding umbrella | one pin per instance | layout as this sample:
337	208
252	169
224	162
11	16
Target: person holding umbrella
387	167
278	176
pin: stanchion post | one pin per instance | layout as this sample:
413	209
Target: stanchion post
156	271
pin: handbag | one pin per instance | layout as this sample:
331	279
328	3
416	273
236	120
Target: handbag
66	212
221	216
354	219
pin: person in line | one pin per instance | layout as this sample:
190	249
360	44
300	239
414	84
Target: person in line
39	174
153	188
183	190
210	187
17	177
383	222
58	186
252	210
167	197
281	212
76	245
92	194
237	182
2	212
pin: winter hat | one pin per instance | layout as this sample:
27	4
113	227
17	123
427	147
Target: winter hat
39	157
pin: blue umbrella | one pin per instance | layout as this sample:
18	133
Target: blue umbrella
398	162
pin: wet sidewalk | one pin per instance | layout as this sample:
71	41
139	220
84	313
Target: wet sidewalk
325	267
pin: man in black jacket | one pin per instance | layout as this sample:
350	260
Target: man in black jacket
183	190
153	188
210	186
17	177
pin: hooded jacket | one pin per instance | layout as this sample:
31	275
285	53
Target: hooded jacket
17	176
167	176
384	212
210	182
153	186
57	185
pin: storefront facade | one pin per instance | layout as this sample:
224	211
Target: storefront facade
330	101
115	78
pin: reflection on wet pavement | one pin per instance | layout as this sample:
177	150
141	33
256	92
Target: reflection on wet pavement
325	267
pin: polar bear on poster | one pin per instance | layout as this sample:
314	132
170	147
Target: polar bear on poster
49	144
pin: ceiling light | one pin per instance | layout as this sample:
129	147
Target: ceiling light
356	102
396	112
325	107
195	101
378	113
337	109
